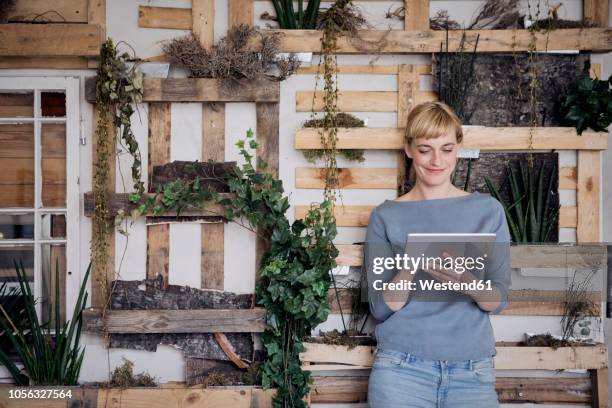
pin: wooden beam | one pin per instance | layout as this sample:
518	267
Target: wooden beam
588	191
425	42
158	236
69	11
178	321
203	21
240	12
43	62
358	215
96	14
597	10
362	101
164	17
408	89
50	40
483	138
583	257
354	70
213	234
507	358
349	178
416	15
200	90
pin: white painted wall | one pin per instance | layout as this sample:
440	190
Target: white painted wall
167	363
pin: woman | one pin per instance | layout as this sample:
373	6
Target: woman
434	353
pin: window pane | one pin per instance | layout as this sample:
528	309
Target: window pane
53	104
23	255
17	164
53	258
53	226
53	137
16	226
17	104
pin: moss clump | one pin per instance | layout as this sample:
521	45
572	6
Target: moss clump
343	120
547	340
334	337
123	377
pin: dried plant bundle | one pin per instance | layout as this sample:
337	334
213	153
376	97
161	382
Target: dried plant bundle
231	58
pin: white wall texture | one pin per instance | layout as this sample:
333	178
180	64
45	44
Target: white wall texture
167	362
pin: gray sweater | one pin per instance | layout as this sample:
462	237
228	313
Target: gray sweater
455	328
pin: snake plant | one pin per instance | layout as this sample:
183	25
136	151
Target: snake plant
529	213
288	18
48	358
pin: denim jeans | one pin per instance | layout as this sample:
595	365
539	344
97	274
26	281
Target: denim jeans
401	379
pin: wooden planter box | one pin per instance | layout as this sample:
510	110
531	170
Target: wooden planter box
169	395
334	383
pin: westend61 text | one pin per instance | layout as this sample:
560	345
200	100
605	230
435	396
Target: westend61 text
432	285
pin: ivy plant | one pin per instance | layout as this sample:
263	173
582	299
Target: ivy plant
294	272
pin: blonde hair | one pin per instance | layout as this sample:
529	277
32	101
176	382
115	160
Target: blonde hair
431	120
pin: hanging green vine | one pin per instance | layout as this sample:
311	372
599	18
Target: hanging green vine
117	88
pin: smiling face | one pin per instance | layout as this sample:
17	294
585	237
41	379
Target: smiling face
434	159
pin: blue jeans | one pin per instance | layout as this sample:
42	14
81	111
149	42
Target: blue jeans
401	379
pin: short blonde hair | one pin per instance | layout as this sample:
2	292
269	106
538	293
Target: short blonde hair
431	120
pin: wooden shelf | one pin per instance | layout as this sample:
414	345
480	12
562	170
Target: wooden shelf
177	321
50	40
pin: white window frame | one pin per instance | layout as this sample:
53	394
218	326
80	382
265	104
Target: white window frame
70	86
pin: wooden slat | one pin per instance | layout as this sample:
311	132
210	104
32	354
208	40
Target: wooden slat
425	42
267	136
42	40
355	69
349	178
179	321
71	11
567	178
346	216
407	89
108	268
14	104
235	397
240	12
200	90
164	17
483	138
158	236
597	10
588	257
203	21
358	215
213	148
349	101
43	62
17	195
588	192
17	171
524	302
507	358
53	139
354	388
416	15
